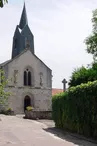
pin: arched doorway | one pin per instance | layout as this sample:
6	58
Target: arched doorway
27	102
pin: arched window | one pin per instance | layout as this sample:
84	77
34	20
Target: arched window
27	78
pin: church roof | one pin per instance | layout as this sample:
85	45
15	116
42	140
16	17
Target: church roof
56	91
8	61
23	20
4	63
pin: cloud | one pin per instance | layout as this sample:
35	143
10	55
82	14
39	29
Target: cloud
59	28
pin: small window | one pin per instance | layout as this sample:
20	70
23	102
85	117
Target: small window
27	78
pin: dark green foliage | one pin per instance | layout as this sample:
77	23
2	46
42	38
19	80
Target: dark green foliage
83	75
76	109
8	111
3	94
91	41
2	2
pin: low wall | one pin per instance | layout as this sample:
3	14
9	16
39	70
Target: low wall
38	115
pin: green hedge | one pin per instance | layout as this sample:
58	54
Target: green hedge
76	109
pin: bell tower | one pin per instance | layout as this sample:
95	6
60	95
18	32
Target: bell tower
23	37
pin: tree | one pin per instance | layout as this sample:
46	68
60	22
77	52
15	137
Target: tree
3	94
2	2
91	41
83	75
79	76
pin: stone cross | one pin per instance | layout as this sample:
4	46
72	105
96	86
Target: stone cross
64	84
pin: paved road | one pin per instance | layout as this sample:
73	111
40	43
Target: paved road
15	131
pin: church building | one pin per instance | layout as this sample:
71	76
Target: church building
30	80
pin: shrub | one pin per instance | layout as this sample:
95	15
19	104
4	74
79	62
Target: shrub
76	109
83	75
29	108
9	110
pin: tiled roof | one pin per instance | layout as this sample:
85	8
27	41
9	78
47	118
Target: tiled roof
56	91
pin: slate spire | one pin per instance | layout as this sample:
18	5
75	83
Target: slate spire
23	20
23	37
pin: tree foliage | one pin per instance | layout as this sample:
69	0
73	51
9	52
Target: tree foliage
83	75
3	82
2	2
91	41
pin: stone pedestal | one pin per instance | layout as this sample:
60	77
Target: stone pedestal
38	115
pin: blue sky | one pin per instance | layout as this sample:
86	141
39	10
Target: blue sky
59	28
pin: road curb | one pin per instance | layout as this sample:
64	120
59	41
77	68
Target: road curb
77	136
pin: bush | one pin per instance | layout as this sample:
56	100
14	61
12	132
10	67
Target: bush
76	109
8	111
29	108
83	75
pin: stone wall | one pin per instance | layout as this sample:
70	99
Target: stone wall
40	95
37	67
38	115
41	98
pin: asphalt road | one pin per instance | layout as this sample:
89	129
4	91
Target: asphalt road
16	131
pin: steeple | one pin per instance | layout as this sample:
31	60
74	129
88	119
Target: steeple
23	20
23	37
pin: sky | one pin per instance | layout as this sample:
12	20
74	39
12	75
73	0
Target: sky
59	28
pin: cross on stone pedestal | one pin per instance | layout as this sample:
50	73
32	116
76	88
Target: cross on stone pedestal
64	84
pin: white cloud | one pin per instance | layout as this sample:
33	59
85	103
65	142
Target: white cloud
59	28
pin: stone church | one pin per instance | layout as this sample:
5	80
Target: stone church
30	80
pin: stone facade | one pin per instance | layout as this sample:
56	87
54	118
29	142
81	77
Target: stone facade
40	95
30	80
28	60
40	98
35	115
